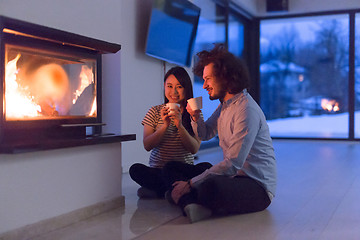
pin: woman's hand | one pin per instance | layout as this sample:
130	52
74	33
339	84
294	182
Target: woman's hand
176	116
164	113
153	137
180	188
195	114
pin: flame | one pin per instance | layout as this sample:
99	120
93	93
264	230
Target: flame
301	78
18	103
49	83
41	92
86	78
93	108
330	105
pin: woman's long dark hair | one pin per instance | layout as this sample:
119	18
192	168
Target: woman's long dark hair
184	79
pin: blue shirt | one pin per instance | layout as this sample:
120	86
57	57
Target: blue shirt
245	140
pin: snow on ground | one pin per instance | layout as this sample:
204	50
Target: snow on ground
315	126
331	126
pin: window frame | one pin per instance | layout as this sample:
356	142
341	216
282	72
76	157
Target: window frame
351	81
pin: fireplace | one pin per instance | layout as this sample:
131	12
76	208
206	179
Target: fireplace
51	84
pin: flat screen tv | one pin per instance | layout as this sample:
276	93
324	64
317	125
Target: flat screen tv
172	31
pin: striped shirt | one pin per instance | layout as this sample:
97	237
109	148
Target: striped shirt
170	147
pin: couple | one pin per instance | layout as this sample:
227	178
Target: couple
244	180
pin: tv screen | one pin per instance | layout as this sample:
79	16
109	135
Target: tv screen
172	31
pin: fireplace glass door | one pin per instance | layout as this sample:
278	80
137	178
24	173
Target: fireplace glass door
44	85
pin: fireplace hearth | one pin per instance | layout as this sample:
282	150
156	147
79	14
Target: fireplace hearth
51	85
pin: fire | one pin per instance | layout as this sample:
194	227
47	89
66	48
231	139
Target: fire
18	103
330	105
44	91
49	83
93	108
86	78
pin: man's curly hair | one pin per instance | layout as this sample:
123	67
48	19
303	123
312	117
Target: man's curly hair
230	70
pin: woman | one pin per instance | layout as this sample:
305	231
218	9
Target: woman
169	137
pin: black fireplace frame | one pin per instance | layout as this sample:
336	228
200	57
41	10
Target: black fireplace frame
40	132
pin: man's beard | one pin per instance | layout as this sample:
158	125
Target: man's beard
219	96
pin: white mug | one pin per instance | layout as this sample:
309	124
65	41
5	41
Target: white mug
195	103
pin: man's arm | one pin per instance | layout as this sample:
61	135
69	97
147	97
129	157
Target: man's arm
204	130
239	143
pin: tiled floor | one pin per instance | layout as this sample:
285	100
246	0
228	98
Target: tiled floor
318	197
138	217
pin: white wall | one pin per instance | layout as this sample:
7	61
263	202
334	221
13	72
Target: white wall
41	185
248	5
142	77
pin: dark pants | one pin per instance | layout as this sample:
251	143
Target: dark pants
178	171
148	177
223	194
161	179
228	195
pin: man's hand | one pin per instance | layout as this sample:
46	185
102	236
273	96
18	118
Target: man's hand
195	114
180	188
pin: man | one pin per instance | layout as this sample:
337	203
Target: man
245	180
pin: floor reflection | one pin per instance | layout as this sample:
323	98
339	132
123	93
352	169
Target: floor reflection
151	214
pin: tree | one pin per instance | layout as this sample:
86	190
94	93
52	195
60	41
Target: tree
330	61
282	51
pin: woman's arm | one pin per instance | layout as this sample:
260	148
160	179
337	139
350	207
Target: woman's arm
152	137
192	144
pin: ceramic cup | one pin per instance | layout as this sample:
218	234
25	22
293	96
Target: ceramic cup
195	103
172	107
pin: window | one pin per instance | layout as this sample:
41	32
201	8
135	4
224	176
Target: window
236	35
220	22
211	29
304	76
357	76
